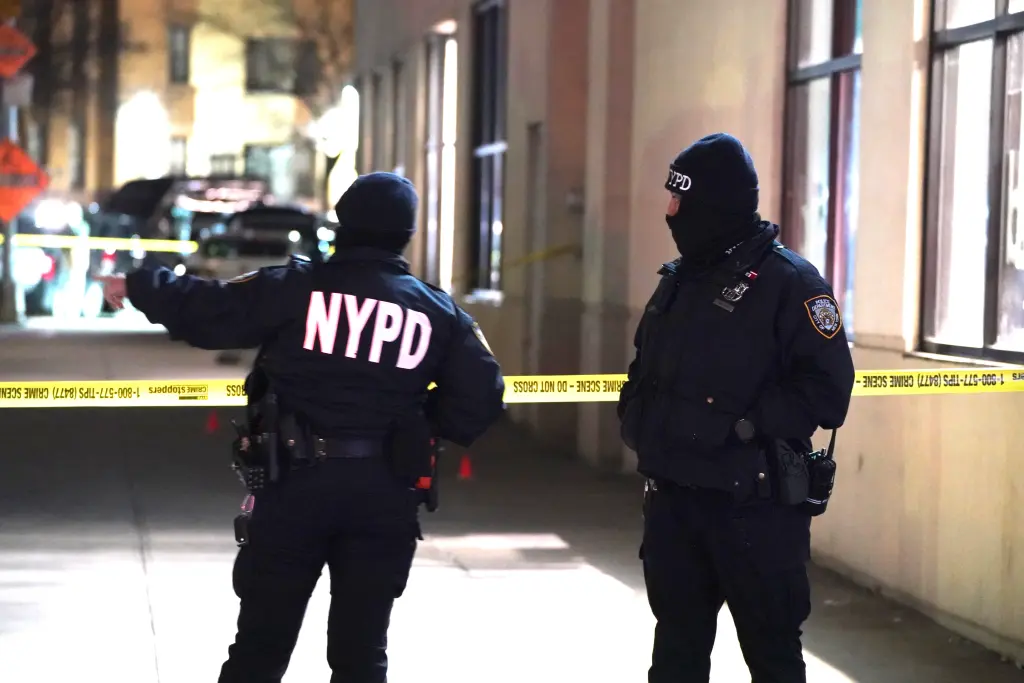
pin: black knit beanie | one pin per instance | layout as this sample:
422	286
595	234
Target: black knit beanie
377	210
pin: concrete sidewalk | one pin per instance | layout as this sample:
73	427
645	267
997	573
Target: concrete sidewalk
116	551
122	347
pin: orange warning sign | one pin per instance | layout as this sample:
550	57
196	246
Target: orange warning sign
15	50
21	180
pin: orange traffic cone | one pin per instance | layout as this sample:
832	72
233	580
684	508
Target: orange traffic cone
465	467
212	422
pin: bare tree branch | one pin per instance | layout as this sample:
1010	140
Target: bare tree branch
314	46
66	61
325	26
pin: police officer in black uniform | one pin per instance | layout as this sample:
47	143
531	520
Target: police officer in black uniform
350	347
741	352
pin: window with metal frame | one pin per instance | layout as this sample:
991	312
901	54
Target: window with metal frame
973	280
822	139
439	160
223	164
432	157
259	161
360	160
377	121
179	49
179	155
490	29
303	168
76	155
288	167
281	65
398	117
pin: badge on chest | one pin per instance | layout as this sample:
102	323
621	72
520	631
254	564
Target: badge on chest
732	294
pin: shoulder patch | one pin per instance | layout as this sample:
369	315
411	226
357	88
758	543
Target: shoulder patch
786	253
670	268
432	286
824	314
480	335
245	277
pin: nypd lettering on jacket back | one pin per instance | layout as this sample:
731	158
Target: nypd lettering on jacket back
391	323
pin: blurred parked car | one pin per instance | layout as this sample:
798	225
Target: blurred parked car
223	257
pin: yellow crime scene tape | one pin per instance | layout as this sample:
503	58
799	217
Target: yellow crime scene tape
188	247
518	389
106	243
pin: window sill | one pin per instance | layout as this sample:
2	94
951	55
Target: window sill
958	360
484	297
951	355
266	92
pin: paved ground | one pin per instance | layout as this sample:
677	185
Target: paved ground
116	549
122	347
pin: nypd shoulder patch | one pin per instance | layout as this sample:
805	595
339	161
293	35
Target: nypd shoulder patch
245	277
824	314
483	340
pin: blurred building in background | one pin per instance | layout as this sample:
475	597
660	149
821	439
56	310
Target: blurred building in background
887	136
129	89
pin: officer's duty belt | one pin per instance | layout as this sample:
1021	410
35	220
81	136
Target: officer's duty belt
329	448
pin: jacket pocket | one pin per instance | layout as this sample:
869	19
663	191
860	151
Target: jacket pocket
629	427
696	425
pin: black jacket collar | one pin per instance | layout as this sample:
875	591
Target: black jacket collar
737	259
350	254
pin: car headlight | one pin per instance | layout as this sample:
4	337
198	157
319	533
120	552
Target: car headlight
30	265
50	214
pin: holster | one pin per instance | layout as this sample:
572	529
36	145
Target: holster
254	452
413	454
804	478
792	482
821	467
428	485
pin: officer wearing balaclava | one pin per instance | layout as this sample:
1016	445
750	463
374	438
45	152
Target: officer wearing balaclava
720	211
349	347
740	357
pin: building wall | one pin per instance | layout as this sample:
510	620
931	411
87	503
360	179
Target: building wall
144	121
212	111
602	95
929	494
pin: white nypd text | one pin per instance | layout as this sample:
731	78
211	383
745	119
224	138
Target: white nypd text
391	323
678	181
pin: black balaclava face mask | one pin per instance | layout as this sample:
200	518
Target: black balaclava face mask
703	236
714	190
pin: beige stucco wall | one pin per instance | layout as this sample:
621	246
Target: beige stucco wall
929	503
929	497
212	111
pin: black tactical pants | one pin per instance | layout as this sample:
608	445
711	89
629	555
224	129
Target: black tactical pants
350	514
701	550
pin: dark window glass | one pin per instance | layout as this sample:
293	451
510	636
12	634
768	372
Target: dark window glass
281	65
821	176
179	49
489	112
973	298
179	155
